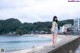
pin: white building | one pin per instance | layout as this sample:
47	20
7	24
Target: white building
61	29
77	24
65	27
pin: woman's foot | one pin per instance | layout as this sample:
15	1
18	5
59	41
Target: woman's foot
53	45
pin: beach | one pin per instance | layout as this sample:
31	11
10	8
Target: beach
60	39
39	47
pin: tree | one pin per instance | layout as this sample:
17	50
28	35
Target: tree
14	25
10	25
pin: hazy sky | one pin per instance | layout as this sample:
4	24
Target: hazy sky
39	10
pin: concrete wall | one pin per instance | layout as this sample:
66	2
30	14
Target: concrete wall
70	47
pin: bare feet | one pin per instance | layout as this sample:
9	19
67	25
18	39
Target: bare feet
53	45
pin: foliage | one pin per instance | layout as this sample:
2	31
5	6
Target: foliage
14	25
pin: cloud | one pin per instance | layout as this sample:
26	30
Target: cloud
38	10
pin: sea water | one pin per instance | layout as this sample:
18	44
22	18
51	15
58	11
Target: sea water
12	43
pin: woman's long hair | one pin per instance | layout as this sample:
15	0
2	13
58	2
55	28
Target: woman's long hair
55	17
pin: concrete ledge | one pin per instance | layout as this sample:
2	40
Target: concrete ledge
68	44
70	47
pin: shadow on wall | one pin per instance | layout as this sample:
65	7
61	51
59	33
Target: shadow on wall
68	48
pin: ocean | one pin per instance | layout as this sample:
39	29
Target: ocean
12	43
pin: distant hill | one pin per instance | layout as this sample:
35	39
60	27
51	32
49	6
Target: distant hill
9	25
14	25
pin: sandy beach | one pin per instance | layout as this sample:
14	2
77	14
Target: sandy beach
60	38
34	48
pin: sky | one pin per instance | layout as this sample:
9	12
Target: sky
39	10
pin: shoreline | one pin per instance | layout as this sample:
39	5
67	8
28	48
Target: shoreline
27	34
31	49
36	47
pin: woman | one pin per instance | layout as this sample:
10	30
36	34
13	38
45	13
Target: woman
54	30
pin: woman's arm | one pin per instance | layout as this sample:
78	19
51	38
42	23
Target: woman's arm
53	26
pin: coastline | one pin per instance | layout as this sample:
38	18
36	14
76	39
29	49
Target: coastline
34	47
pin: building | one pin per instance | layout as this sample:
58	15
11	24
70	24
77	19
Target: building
61	29
76	24
65	27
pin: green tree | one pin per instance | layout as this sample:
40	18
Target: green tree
10	25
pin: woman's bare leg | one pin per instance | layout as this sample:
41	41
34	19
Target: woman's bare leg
54	39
